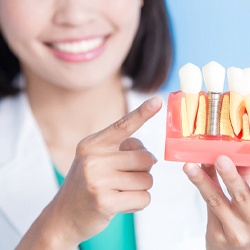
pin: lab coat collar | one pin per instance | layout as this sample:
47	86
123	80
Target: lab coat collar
21	148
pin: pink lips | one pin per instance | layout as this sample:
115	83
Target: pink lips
78	57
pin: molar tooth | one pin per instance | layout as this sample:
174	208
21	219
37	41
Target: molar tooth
225	123
236	86
246	80
201	117
245	128
191	83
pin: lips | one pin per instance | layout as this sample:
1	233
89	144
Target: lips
78	50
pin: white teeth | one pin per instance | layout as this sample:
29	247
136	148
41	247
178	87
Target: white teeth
235	80
191	84
214	77
239	87
246	80
239	80
190	79
79	47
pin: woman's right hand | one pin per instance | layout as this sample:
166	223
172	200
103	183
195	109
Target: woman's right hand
110	174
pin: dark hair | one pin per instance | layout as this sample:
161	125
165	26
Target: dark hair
148	62
150	57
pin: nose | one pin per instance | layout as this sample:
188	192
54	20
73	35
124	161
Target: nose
74	12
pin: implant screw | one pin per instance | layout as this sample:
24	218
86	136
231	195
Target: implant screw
214	111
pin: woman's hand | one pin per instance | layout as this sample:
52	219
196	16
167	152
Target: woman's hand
110	174
228	225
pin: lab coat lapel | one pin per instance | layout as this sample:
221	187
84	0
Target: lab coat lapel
20	174
146	219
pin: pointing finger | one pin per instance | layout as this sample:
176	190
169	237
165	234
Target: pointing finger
127	125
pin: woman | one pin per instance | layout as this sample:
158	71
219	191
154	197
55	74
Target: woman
75	57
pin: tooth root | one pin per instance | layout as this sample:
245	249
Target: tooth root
192	102
191	83
184	120
225	124
245	129
247	103
201	117
237	109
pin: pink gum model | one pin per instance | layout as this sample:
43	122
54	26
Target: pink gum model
199	148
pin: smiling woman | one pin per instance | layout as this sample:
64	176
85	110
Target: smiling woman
108	36
77	82
69	59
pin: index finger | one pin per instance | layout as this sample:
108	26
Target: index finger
128	124
237	187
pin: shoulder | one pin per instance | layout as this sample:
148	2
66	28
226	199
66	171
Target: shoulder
14	116
12	109
10	103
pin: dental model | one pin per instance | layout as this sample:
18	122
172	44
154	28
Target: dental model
214	77
236	88
239	87
190	83
202	125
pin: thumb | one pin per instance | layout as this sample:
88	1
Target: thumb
131	144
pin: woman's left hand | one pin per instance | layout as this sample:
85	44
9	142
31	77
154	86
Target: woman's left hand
228	225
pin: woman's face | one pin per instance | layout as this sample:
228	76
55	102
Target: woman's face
70	43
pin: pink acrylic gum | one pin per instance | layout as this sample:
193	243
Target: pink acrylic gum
199	148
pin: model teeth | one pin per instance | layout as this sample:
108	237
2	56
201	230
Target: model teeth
79	47
190	79
237	103
235	80
214	77
191	84
218	113
246	80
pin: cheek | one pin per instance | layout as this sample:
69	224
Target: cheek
19	21
124	13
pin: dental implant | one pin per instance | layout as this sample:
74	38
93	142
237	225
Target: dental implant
214	77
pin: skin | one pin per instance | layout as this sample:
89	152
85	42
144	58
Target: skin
228	225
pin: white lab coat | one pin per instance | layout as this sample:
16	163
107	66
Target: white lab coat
175	219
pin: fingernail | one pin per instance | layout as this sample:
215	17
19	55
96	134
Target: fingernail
223	163
191	170
154	102
155	159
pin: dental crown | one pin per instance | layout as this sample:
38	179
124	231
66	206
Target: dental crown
219	113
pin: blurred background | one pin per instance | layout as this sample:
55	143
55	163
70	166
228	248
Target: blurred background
203	31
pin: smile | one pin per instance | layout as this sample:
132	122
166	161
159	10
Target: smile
78	51
77	47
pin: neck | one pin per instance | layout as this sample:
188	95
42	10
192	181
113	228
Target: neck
67	116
